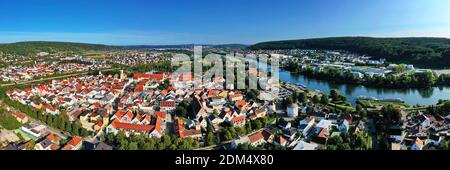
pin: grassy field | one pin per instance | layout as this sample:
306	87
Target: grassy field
367	103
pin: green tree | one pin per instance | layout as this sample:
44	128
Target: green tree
210	138
68	126
334	93
324	99
75	130
302	97
133	146
49	120
227	135
316	99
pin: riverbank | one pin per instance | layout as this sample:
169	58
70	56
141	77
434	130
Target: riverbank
400	81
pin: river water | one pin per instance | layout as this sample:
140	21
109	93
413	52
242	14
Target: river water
411	96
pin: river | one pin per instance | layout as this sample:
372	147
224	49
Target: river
411	96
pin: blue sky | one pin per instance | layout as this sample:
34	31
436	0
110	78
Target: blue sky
133	22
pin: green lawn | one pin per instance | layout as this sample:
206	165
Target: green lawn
367	103
9	122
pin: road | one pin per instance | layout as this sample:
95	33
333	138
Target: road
51	78
373	133
56	132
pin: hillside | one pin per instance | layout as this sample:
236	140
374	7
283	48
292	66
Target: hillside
34	47
231	46
423	52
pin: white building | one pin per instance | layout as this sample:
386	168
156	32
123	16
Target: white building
292	110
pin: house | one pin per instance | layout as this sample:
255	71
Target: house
157	131
261	137
257	139
51	110
284	124
22	118
290	134
434	140
161	115
102	146
260	113
280	140
217	101
424	121
396	134
292	110
321	137
214	119
228	115
240	104
418	144
203	122
238	121
167	105
344	126
117	126
236	97
305	125
43	145
302	145
324	123
35	131
242	140
192	133
179	127
74	144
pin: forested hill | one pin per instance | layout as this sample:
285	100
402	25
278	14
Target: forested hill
424	52
34	47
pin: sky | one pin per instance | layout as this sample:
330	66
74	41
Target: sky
163	22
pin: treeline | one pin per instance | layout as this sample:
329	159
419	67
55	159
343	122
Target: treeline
424	79
229	132
60	121
34	47
349	141
443	109
144	142
423	52
160	66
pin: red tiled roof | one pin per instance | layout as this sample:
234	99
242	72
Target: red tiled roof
179	127
67	147
238	119
164	92
128	126
240	103
162	115
157	77
74	141
129	114
119	113
236	95
18	115
167	103
139	88
185	76
50	137
158	125
191	132
323	132
256	137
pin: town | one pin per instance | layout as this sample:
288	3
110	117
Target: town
157	109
